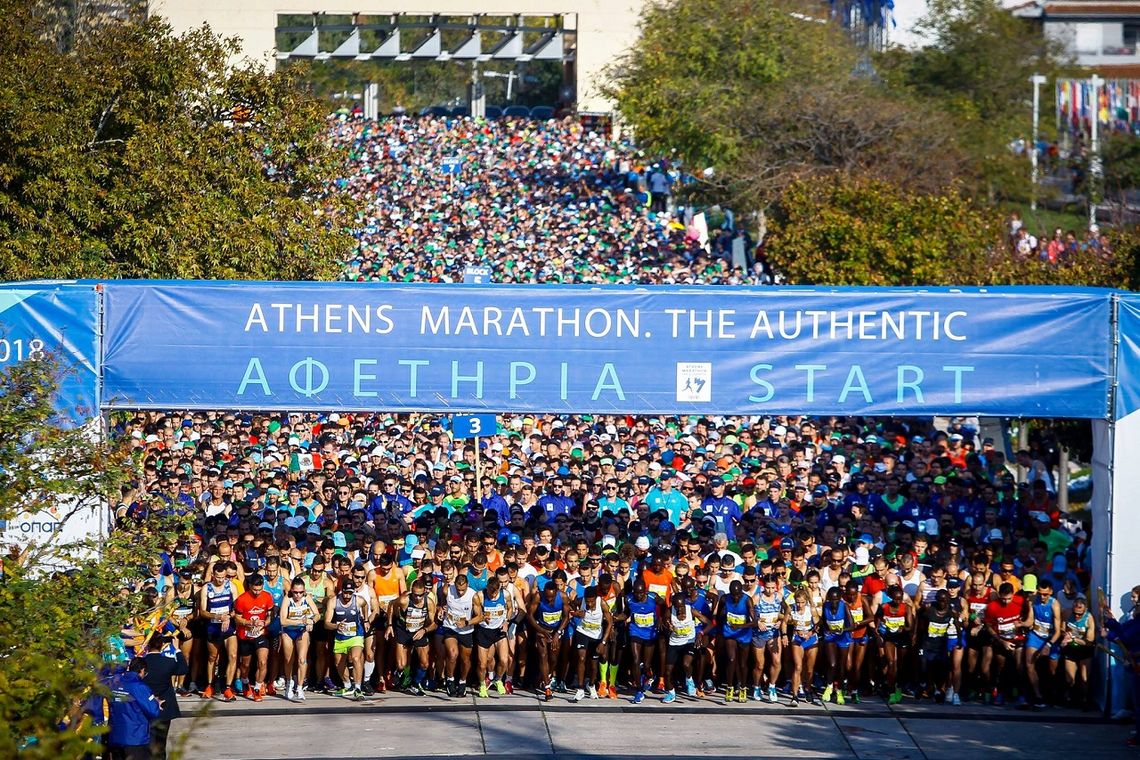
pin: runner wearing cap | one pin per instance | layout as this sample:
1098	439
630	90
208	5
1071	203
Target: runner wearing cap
1045	628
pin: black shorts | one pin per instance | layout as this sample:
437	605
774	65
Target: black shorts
592	646
677	652
1077	652
978	641
404	638
486	638
900	640
247	647
320	633
466	640
379	623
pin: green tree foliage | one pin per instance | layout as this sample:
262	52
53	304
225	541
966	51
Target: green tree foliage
852	230
698	62
976	68
139	153
763	93
54	625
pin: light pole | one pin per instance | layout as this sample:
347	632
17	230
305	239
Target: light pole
1094	148
1037	80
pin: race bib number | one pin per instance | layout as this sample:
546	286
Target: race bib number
658	589
552	618
835	626
894	624
591	626
643	619
735	619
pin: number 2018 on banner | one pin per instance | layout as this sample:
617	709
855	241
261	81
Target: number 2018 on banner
19	349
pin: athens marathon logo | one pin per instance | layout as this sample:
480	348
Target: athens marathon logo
694	381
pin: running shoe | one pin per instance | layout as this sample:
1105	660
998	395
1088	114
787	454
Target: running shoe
499	687
579	695
640	695
670	696
271	689
300	694
956	700
795	702
382	687
854	696
357	694
690	687
895	697
772	696
343	691
416	690
247	691
742	695
328	686
548	695
257	695
483	690
228	695
660	684
461	689
509	686
710	687
613	692
208	692
592	693
839	698
728	694
451	691
828	692
756	693
289	693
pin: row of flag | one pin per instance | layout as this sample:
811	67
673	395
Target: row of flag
1116	104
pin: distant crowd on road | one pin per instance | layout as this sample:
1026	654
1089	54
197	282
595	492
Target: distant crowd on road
537	201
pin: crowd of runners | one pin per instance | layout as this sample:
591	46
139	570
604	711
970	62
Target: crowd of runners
536	201
731	558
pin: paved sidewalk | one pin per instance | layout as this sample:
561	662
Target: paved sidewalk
399	726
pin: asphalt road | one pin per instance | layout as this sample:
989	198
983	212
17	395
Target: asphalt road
520	726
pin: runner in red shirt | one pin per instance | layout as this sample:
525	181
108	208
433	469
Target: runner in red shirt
1003	619
253	610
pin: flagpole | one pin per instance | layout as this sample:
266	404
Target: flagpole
478	475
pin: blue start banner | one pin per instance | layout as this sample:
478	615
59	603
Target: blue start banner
269	346
57	318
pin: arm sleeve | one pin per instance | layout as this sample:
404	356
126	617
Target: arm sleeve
146	700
